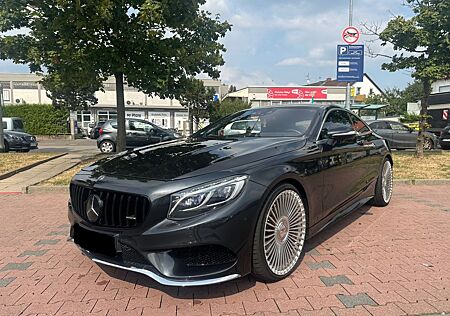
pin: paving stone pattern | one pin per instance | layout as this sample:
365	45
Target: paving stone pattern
376	261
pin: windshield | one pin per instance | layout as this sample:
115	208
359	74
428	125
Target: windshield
268	122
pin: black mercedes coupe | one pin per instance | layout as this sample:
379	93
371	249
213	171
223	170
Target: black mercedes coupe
240	196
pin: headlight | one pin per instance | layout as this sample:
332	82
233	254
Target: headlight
205	197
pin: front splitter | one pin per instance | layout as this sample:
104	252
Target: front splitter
166	281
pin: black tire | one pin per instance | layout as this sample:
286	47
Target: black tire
107	147
379	199
260	265
6	147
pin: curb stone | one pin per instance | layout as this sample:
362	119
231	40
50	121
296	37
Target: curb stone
46	189
423	181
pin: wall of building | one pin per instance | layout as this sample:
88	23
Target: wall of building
168	113
441	86
366	88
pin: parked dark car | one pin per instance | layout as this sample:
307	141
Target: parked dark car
138	133
95	130
400	136
18	141
444	139
212	207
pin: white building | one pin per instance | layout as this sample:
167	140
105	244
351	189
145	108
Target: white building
326	91
168	113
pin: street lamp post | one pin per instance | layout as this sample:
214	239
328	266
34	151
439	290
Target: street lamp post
348	89
2	144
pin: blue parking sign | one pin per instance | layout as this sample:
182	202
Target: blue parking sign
350	63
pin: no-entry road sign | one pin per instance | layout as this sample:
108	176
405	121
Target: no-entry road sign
351	35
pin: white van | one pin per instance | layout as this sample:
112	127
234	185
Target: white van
14	124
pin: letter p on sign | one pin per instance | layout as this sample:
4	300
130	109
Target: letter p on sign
342	50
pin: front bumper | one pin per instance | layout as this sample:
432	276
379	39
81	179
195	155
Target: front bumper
212	248
444	142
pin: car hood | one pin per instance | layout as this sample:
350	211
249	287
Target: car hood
14	133
188	158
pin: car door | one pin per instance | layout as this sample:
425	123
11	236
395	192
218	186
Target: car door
403	136
383	129
366	156
137	133
342	169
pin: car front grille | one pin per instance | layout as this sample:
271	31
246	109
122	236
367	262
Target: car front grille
131	255
120	210
201	256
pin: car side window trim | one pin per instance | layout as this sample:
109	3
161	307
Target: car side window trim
325	119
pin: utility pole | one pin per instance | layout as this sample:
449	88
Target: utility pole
348	89
2	143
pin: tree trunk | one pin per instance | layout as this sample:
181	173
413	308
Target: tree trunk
423	117
121	127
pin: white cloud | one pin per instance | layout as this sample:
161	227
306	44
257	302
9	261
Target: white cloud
241	79
217	7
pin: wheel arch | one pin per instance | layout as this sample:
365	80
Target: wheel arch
294	180
389	157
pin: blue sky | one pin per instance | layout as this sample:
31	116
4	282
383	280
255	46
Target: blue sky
284	42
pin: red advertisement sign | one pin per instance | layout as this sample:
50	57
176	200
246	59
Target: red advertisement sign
304	93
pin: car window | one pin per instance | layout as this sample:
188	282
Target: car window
5	126
358	124
398	126
239	125
114	124
17	124
139	126
262	122
338	121
378	125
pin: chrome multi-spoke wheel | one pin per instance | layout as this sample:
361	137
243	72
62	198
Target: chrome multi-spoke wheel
427	144
387	181
385	184
284	232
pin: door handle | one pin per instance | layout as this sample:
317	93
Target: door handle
366	144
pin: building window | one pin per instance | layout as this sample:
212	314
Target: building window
25	85
358	91
370	91
103	116
83	119
5	84
444	88
6	95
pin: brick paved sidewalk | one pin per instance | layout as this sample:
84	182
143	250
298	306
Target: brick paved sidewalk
379	261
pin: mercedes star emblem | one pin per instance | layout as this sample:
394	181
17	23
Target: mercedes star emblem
94	208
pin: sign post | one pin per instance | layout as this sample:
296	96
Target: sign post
348	32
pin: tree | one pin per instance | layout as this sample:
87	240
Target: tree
152	45
227	107
398	99
197	99
423	45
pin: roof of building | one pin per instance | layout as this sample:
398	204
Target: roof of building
329	82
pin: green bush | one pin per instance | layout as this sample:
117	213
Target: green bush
40	119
